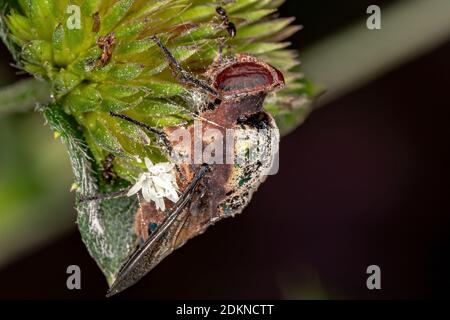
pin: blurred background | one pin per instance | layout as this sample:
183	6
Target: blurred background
365	180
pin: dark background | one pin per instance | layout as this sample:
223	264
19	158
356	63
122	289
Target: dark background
364	181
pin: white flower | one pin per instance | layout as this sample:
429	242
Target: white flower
157	183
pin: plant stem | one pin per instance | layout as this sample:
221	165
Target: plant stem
23	96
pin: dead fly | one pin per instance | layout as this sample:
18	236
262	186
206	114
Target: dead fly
198	195
106	44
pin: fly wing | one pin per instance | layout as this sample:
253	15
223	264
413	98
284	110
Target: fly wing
163	241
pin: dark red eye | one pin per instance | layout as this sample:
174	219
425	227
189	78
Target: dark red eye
280	76
244	77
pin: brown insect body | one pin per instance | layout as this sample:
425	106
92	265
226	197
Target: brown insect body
106	44
242	84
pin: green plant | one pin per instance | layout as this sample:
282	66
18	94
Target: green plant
109	63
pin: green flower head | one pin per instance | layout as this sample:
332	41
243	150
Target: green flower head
98	56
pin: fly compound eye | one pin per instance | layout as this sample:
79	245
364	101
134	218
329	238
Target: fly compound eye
280	77
248	77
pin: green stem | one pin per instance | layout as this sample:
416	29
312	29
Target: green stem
23	96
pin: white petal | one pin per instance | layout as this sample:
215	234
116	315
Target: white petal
147	192
137	186
167	166
160	204
171	178
163	183
160	192
173	196
148	163
156	170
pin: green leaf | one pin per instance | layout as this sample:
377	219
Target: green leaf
106	226
133	47
151	7
20	26
118	91
116	105
263	29
84	98
251	16
37	51
242	4
196	13
65	81
89	7
102	135
12	42
129	30
199	33
114	15
107	231
41	14
126	72
258	48
159	108
163	89
61	52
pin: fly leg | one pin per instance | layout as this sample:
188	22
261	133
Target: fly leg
163	140
161	135
183	75
104	196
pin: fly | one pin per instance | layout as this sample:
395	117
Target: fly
235	91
